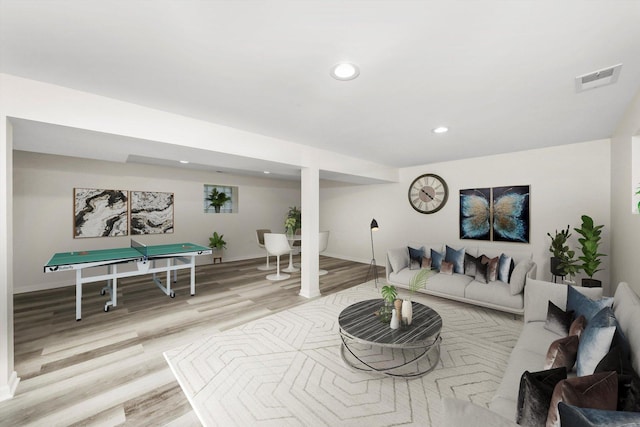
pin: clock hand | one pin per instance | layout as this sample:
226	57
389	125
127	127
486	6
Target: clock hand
429	195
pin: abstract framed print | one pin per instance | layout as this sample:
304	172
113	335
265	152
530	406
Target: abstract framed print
475	214
100	213
151	212
510	209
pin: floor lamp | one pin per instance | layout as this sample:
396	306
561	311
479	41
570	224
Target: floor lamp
372	267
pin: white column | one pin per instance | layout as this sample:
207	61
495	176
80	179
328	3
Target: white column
8	377
310	189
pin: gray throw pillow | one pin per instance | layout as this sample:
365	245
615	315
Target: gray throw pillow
519	275
398	258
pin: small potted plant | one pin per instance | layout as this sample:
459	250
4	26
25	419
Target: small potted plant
217	199
559	250
570	266
590	241
389	294
217	243
293	221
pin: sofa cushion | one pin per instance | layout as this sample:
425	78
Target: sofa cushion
534	395
415	257
398	258
598	391
577	326
537	295
583	305
558	320
436	259
595	341
617	360
505	268
446	268
456	257
519	275
626	307
470	262
562	353
573	416
481	271
492	267
496	293
453	284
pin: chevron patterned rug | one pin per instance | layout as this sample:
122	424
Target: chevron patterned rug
286	369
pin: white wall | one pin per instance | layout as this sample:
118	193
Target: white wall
43	210
625	238
565	182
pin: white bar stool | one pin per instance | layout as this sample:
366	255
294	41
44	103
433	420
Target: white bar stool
277	244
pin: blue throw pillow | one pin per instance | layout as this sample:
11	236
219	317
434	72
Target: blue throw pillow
455	257
595	341
583	305
415	258
505	267
572	416
436	259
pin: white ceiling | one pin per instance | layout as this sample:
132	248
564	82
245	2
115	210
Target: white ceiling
500	74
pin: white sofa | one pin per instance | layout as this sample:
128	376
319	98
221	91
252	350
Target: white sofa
531	348
497	294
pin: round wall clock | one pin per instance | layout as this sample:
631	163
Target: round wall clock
428	193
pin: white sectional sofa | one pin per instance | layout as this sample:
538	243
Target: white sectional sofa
530	351
464	286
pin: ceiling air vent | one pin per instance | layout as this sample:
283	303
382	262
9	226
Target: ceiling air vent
606	76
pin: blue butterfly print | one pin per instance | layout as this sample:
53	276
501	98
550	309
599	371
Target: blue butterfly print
476	215
507	216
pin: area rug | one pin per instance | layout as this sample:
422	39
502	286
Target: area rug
286	369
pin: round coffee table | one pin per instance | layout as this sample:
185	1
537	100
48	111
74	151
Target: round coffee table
369	344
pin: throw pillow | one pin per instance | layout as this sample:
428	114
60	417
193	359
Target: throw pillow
436	259
415	258
595	341
505	268
446	268
492	267
481	271
534	395
426	262
398	258
597	391
577	326
583	305
572	416
558	320
562	352
470	265
628	381
456	257
519	275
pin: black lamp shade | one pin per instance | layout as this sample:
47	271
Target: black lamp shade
374	224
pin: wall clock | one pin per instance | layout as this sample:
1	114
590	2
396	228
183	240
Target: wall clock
428	193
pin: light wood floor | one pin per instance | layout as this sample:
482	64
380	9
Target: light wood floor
108	369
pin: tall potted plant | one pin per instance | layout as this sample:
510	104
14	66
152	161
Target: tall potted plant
217	243
217	199
559	249
590	241
293	221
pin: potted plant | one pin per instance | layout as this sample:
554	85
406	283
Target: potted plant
293	221
570	266
559	249
418	281
389	294
217	199
590	241
217	243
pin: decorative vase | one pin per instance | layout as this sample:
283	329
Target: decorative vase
407	311
395	320
398	305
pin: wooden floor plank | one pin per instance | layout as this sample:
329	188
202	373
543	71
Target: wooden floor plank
108	369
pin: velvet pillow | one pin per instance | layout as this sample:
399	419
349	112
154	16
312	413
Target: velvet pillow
597	391
492	267
470	265
534	395
583	305
426	262
562	352
505	267
519	275
628	381
446	268
415	258
481	271
558	320
577	326
595	341
436	259
572	416
456	257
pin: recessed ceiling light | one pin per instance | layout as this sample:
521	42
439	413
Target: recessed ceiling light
440	129
345	71
267	172
184	162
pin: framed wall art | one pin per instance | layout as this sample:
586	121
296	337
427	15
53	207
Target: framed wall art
151	212
100	213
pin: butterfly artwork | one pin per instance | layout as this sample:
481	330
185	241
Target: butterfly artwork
498	214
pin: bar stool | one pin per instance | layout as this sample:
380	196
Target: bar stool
277	244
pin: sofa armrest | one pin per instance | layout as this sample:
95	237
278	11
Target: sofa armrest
531	274
460	413
538	293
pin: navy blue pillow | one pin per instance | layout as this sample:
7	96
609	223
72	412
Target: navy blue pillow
583	305
415	258
455	257
436	259
572	416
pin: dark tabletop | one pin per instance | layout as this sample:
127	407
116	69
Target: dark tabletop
358	321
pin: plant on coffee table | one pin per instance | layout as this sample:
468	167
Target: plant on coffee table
389	294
